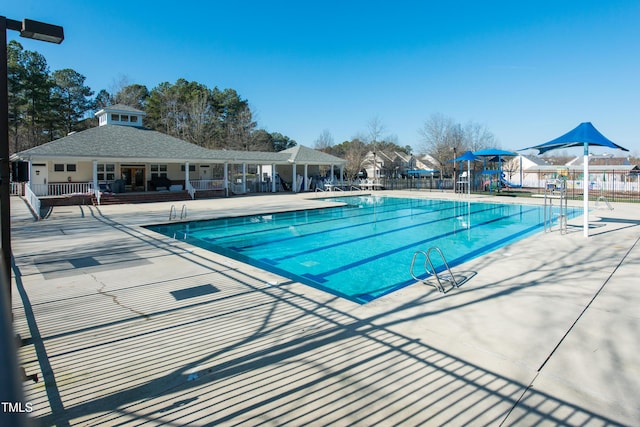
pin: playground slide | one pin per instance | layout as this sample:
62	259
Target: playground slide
509	184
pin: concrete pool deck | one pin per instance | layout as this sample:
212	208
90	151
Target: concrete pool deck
125	326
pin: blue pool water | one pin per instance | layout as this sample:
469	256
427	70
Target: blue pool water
362	250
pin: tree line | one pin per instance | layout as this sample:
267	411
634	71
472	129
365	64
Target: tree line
45	105
441	137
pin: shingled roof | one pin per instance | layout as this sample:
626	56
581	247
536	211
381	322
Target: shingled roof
122	143
117	142
301	154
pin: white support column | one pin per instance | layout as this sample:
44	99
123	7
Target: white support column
226	179
306	177
342	175
294	184
331	176
585	191
186	175
273	177
258	179
95	176
244	178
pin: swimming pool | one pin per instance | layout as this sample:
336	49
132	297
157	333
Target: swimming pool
362	250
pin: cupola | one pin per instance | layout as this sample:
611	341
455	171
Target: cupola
121	115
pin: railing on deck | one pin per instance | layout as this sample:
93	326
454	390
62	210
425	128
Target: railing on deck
207	184
190	189
32	200
17	188
61	188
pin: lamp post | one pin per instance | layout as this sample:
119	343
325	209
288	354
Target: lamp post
32	30
10	381
455	189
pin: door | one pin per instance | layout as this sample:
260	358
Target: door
205	172
39	179
133	177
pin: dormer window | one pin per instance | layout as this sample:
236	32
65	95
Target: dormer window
124	118
134	119
115	117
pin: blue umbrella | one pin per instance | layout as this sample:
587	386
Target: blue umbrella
584	135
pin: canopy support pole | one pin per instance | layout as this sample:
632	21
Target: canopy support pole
585	197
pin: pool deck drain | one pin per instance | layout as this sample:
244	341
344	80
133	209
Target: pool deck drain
544	332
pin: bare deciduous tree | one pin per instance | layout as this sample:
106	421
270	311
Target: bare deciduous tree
478	137
440	135
324	140
355	156
443	138
375	129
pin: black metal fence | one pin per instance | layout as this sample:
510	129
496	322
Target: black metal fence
417	183
612	186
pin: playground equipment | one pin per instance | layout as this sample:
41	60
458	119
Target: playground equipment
508	184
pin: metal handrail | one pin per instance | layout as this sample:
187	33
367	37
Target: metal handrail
172	212
183	212
430	269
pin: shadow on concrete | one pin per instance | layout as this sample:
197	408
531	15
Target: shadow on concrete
267	355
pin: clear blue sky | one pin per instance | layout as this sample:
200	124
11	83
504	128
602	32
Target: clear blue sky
527	70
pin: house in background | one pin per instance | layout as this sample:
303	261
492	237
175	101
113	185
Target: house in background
606	172
121	156
520	170
394	164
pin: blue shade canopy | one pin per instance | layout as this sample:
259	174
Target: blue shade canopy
583	133
494	152
466	156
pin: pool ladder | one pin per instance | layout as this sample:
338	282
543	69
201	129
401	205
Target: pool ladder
430	269
173	213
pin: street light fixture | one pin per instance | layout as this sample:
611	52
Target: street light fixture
33	30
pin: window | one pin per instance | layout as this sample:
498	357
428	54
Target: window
124	118
71	167
134	119
115	117
158	168
58	167
106	172
158	171
192	168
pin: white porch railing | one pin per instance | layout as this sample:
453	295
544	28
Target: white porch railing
190	189
32	200
207	184
17	188
61	189
97	193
